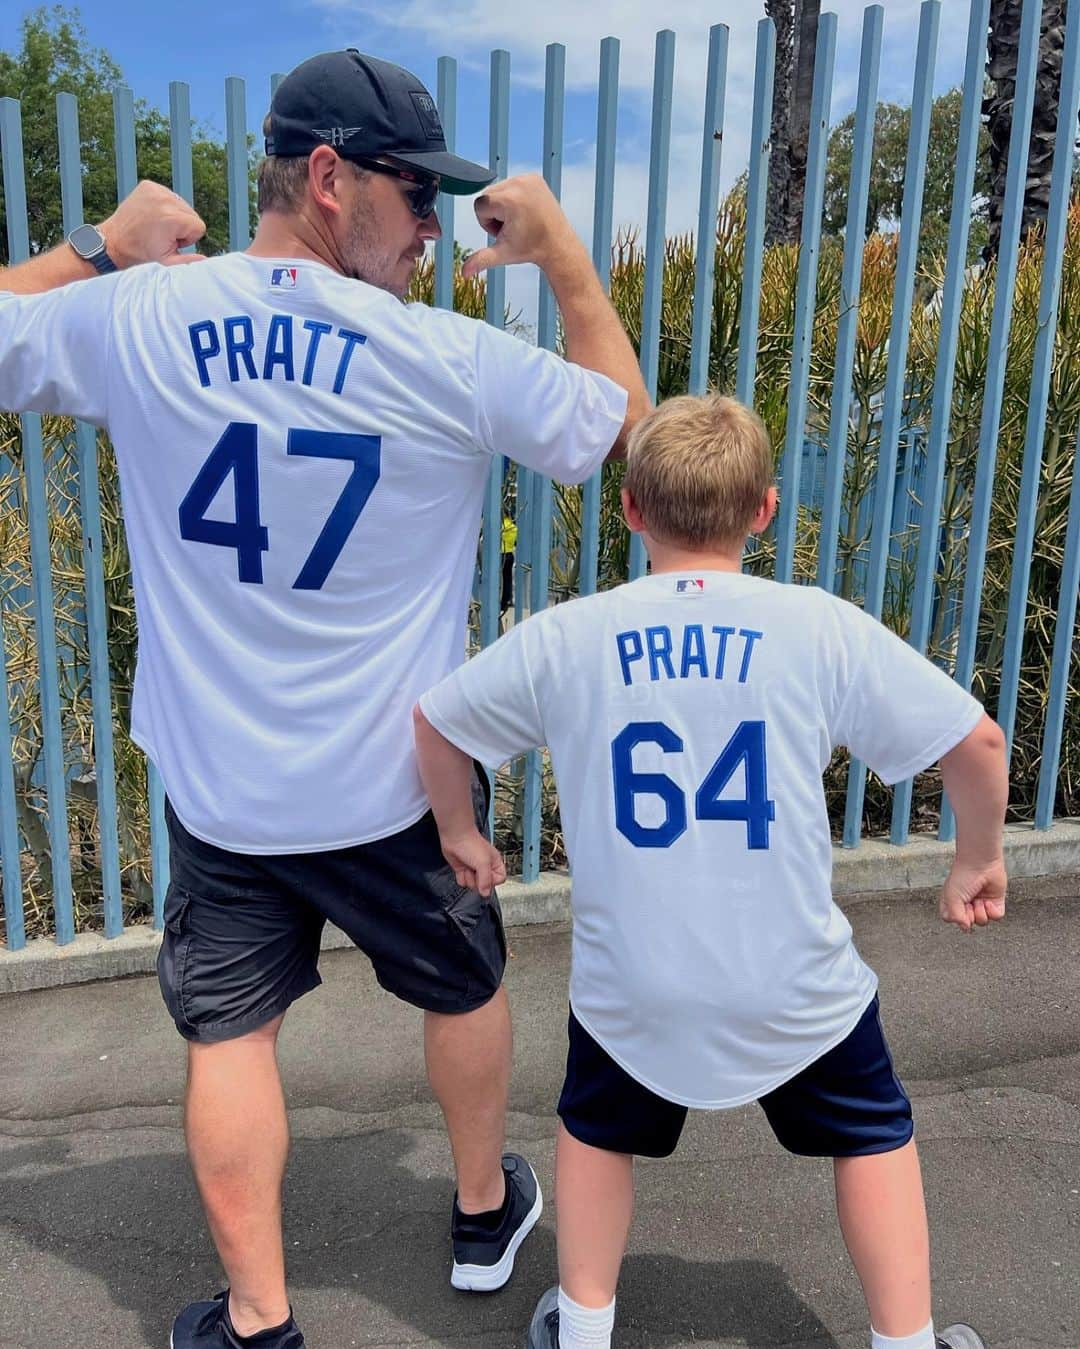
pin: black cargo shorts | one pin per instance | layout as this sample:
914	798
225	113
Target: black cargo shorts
242	932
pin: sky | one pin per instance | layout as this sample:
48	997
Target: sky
202	42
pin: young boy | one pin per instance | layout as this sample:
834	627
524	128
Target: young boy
690	715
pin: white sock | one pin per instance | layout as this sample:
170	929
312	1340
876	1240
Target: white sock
585	1327
922	1339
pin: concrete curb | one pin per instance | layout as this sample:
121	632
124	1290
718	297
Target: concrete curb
875	867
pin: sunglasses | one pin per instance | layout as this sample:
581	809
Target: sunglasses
422	192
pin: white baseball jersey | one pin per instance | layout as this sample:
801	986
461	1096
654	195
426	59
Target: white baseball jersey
302	460
689	718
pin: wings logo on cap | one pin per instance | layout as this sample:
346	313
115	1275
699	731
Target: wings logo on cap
337	135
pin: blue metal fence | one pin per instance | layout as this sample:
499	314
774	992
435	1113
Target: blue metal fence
899	517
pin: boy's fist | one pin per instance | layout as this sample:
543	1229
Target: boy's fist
974	895
477	864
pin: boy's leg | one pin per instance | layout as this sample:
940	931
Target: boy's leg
879	1200
849	1105
594	1199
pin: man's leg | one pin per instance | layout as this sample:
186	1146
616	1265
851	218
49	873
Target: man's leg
238	1140
882	1213
468	1064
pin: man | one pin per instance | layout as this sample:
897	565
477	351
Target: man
282	422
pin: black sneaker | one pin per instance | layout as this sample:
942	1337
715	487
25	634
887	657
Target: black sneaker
544	1327
206	1325
483	1260
960	1337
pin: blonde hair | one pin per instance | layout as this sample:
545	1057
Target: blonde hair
698	470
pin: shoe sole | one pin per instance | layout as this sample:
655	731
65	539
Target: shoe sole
490	1278
962	1337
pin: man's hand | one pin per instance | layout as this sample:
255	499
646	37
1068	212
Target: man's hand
528	224
974	895
477	863
152	224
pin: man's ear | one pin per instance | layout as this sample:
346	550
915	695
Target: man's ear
763	518
635	522
324	177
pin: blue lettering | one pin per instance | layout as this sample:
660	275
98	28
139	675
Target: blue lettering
241	345
748	649
659	642
279	347
352	341
693	651
318	331
721	650
630	649
202	353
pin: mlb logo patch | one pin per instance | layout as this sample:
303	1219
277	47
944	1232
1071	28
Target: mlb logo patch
283	278
694	586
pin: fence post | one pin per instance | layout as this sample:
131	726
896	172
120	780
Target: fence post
757	187
37	502
655	243
444	245
540	502
862	151
603	207
67	114
712	141
498	155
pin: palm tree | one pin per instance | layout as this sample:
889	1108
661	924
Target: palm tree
807	14
796	45
782	13
1003	53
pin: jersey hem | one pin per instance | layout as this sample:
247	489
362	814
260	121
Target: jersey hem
730	1102
250	850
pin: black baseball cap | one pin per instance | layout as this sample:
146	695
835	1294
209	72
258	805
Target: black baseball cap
363	108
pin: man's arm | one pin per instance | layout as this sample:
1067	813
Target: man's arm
152	224
976	777
447	774
529	226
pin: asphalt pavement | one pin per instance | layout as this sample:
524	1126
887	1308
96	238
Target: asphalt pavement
735	1242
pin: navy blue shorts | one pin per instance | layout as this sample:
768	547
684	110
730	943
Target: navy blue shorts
848	1103
242	933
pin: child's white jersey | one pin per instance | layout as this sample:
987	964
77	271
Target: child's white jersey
303	461
690	718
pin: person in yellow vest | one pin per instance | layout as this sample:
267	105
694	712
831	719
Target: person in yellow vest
506	547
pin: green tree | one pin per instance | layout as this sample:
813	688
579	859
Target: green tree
887	177
56	57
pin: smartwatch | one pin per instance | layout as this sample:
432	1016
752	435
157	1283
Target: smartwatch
89	242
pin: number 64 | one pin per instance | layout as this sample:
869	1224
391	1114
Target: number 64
746	747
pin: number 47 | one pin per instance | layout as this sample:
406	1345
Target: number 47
237	452
746	747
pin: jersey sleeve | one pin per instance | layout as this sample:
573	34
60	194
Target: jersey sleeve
488	707
896	711
546	413
55	349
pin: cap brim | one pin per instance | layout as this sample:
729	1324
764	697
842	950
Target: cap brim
457	177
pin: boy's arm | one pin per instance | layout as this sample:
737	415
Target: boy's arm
447	774
976	778
152	224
